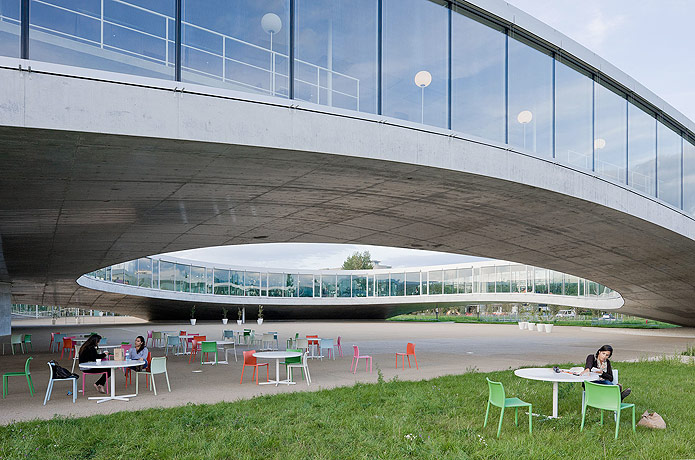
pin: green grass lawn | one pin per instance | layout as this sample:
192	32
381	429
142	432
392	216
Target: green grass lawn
434	419
628	323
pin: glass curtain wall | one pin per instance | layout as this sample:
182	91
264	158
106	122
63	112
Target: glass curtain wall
221	281
397	284
145	272
382	285
336	59
689	176
344	286
530	98
502	278
487	279
252	283
415	61
236	282
242	46
198	280
449	281
465	280
610	143
574	116
412	283
668	165
276	284
130	275
518	278
540	284
478	77
328	285
167	275
306	285
555	279
359	286
291	285
434	282
134	37
183	278
10	17
641	150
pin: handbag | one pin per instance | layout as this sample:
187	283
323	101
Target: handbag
652	420
60	372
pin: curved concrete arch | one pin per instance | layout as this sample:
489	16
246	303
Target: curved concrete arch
104	168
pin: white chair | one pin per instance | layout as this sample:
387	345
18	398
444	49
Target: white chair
157	366
302	344
230	346
267	340
52	379
327	344
303	365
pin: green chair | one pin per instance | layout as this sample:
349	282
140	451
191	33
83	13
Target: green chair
27	342
208	347
295	360
26	374
605	397
497	398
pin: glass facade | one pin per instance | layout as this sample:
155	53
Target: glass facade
425	61
145	272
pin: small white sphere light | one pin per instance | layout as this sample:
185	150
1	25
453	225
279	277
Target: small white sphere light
599	143
271	23
525	116
423	79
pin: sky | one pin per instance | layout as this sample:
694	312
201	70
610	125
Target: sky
649	40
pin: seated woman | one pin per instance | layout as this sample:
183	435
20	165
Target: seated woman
601	364
89	351
139	352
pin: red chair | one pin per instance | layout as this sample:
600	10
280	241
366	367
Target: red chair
50	345
129	370
149	339
340	347
67	345
313	344
250	360
195	346
409	351
356	359
84	374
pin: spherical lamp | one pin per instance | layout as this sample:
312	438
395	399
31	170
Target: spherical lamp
524	117
271	23
423	79
599	143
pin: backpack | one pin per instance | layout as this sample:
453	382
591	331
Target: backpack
62	373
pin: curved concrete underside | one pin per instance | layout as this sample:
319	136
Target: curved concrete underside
96	171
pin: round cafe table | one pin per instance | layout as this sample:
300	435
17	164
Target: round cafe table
104	364
277	355
549	375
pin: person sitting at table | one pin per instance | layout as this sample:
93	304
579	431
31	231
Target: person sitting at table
89	352
139	352
601	364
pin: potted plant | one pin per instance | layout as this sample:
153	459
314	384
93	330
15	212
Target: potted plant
224	315
260	315
238	314
193	315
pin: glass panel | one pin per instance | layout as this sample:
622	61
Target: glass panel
502	280
117	273
155	274
541	281
236	282
382	285
582	287
424	281
317	286
252	284
487	278
530	98
415	43
337	58
328	286
291	285
465	280
210	280
241	45
264	284
518	278
167	274
306	285
370	286
276	284
344	286
397	284
435	282
593	288
221	282
449	283
183	278
129	37
198	280
412	283
529	278
145	272
669	165
574	95
611	135
359	286
571	285
130	272
689	176
555	282
478	54
641	163
10	28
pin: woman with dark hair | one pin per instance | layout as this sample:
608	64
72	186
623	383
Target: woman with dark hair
88	353
139	352
601	364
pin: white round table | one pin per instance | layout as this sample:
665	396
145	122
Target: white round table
549	375
111	365
277	356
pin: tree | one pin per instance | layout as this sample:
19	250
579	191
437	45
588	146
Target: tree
358	261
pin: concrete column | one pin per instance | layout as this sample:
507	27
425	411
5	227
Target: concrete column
5	309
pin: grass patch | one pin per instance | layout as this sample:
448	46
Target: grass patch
440	418
690	351
630	323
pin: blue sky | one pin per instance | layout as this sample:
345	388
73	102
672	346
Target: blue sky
650	41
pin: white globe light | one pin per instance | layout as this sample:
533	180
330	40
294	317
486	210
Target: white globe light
525	116
599	143
423	79
271	23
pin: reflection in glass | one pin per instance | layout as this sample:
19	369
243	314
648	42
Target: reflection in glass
221	281
518	278
291	285
144	272
555	279
382	285
530	98
571	285
540	285
465	280
397	284
689	176
242	45
183	277
236	282
117	273
574	116
130	273
317	286
370	286
610	143
276	284
133	37
415	40
478	54
435	282
167	275
344	286
198	280
503	278
412	283
641	150
306	285
328	285
336	59
487	279
155	274
449	281
252	283
10	28
669	165
209	280
359	286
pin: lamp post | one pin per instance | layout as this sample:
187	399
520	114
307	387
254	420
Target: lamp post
524	117
423	79
271	24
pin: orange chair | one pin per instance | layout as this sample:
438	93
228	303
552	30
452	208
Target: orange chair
409	351
250	360
67	345
195	346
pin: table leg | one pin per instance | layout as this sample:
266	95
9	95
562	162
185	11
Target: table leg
112	396
555	397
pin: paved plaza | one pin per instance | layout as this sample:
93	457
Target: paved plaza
441	349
